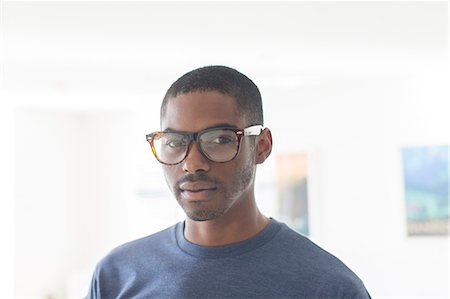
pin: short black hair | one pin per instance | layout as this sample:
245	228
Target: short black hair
225	80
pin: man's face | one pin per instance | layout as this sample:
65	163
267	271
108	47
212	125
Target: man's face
208	190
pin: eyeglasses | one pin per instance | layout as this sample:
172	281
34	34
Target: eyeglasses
219	144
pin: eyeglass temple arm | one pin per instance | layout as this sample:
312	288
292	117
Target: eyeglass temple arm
253	130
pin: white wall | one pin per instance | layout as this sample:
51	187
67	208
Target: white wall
349	82
355	133
67	195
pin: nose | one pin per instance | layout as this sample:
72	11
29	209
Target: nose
194	160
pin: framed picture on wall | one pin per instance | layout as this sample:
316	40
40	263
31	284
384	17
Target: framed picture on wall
425	174
292	186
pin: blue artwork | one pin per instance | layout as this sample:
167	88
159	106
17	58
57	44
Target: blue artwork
426	175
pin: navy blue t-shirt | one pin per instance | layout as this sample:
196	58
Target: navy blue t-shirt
275	263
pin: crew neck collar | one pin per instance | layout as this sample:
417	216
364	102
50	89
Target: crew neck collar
234	249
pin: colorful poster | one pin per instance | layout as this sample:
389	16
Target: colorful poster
425	171
292	173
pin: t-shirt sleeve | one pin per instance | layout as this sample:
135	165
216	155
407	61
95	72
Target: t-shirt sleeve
94	290
341	283
353	289
361	293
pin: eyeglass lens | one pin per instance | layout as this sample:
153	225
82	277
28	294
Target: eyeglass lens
219	145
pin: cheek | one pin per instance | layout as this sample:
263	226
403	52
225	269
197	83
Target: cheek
242	164
170	175
247	152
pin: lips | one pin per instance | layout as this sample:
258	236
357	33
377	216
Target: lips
197	191
196	186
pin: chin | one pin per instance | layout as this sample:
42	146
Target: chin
203	215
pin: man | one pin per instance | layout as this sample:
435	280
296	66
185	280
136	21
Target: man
211	140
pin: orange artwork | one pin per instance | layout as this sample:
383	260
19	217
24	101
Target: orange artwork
292	182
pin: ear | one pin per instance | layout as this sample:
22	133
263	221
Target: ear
264	146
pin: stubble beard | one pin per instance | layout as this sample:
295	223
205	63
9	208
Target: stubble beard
224	198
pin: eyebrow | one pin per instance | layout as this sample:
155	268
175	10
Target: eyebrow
221	125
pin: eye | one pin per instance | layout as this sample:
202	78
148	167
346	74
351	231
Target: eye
222	139
175	143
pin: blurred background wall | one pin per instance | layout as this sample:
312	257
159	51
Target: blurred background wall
349	83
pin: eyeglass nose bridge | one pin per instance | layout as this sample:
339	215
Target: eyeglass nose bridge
191	138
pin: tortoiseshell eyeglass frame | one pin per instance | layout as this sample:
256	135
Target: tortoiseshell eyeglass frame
253	130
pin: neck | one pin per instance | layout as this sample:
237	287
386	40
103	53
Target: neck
238	224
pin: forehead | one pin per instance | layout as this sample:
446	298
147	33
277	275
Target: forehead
196	111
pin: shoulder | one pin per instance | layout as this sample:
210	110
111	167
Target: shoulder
125	264
299	247
144	248
329	275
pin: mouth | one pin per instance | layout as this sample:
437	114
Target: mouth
197	191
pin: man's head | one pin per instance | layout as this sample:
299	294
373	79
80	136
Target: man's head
225	80
205	99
